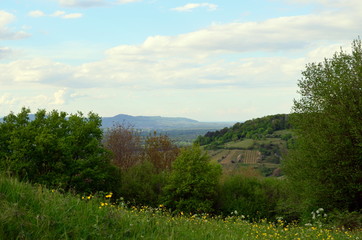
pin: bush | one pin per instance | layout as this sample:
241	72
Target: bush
142	184
192	183
249	197
346	220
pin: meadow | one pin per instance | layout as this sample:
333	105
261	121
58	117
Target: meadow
35	212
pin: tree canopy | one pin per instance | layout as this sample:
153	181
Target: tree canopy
325	166
57	150
255	129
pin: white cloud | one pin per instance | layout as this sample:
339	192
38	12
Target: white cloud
208	58
82	3
190	6
93	3
208	62
59	97
57	14
278	34
6	99
36	13
127	1
34	71
54	98
5	33
5	52
72	15
61	14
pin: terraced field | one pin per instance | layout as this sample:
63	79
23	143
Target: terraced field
250	156
227	157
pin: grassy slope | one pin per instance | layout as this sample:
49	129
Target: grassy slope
37	213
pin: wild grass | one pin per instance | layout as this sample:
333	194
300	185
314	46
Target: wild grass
243	144
34	212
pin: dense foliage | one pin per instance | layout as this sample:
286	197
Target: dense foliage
143	184
193	181
254	129
57	150
251	198
325	167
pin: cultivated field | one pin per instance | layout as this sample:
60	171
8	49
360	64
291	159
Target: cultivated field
229	157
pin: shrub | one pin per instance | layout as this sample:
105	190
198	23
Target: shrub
250	197
192	183
346	220
142	184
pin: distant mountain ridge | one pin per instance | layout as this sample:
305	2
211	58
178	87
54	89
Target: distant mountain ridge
160	123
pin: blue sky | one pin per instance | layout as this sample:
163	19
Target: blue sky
207	60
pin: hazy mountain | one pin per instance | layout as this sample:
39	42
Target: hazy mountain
161	123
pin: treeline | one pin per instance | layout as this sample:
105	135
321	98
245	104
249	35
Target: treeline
258	128
71	153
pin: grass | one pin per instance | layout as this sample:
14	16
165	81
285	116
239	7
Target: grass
243	144
34	212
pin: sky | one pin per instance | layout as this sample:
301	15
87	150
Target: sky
206	60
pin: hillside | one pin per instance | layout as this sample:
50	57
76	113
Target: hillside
260	143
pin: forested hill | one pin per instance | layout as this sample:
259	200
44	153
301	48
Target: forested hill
252	129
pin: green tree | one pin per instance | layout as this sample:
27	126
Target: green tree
193	182
57	150
325	166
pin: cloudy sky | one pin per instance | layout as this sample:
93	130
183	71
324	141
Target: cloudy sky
208	60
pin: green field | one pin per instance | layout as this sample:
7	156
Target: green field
243	144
